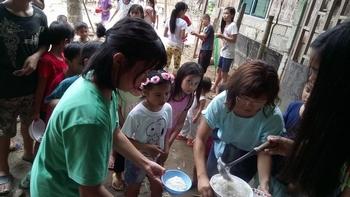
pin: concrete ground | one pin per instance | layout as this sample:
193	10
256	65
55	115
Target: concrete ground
180	157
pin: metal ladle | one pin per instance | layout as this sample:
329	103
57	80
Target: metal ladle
224	169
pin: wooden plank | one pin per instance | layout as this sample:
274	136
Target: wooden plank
308	42
329	14
300	37
341	10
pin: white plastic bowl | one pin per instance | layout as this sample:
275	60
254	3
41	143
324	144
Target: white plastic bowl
238	184
37	130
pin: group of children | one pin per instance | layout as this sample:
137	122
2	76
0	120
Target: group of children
171	106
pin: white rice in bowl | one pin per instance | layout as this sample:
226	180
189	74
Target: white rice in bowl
176	183
230	188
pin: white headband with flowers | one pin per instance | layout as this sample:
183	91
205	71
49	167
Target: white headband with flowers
156	79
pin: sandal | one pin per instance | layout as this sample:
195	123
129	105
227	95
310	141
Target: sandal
5	184
117	184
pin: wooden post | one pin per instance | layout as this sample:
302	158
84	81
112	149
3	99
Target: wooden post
200	27
265	37
240	16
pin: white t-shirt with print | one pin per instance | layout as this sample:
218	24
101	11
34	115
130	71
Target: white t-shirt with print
146	126
175	38
228	48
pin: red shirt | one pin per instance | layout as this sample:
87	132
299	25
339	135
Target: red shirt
50	67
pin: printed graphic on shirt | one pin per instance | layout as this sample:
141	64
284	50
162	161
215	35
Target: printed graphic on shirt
155	131
9	31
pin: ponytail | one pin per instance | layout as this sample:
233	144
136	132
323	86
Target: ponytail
179	6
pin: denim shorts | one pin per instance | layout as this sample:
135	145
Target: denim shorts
225	64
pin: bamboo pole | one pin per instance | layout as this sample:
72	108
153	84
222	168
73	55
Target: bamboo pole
265	37
240	16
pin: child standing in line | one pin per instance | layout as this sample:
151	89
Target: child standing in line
177	27
228	35
126	102
146	126
51	65
207	37
136	10
82	31
105	6
151	16
87	51
187	81
189	129
72	57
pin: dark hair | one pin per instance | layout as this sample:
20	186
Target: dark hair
136	40
100	30
72	50
205	84
88	50
158	73
188	68
320	146
254	78
58	32
179	6
62	18
223	23
80	25
136	8
206	16
151	2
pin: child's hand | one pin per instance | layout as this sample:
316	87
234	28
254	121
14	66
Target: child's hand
279	145
162	158
29	66
153	150
219	35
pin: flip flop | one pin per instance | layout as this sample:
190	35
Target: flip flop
117	184
6	180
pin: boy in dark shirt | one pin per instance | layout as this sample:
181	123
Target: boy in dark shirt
20	50
207	37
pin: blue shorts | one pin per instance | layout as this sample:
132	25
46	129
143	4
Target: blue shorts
133	174
225	64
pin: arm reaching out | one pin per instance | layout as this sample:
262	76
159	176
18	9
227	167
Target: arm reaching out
279	145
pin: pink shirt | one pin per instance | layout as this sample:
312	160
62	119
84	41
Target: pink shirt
178	107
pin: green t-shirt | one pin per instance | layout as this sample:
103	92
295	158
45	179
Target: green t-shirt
76	146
